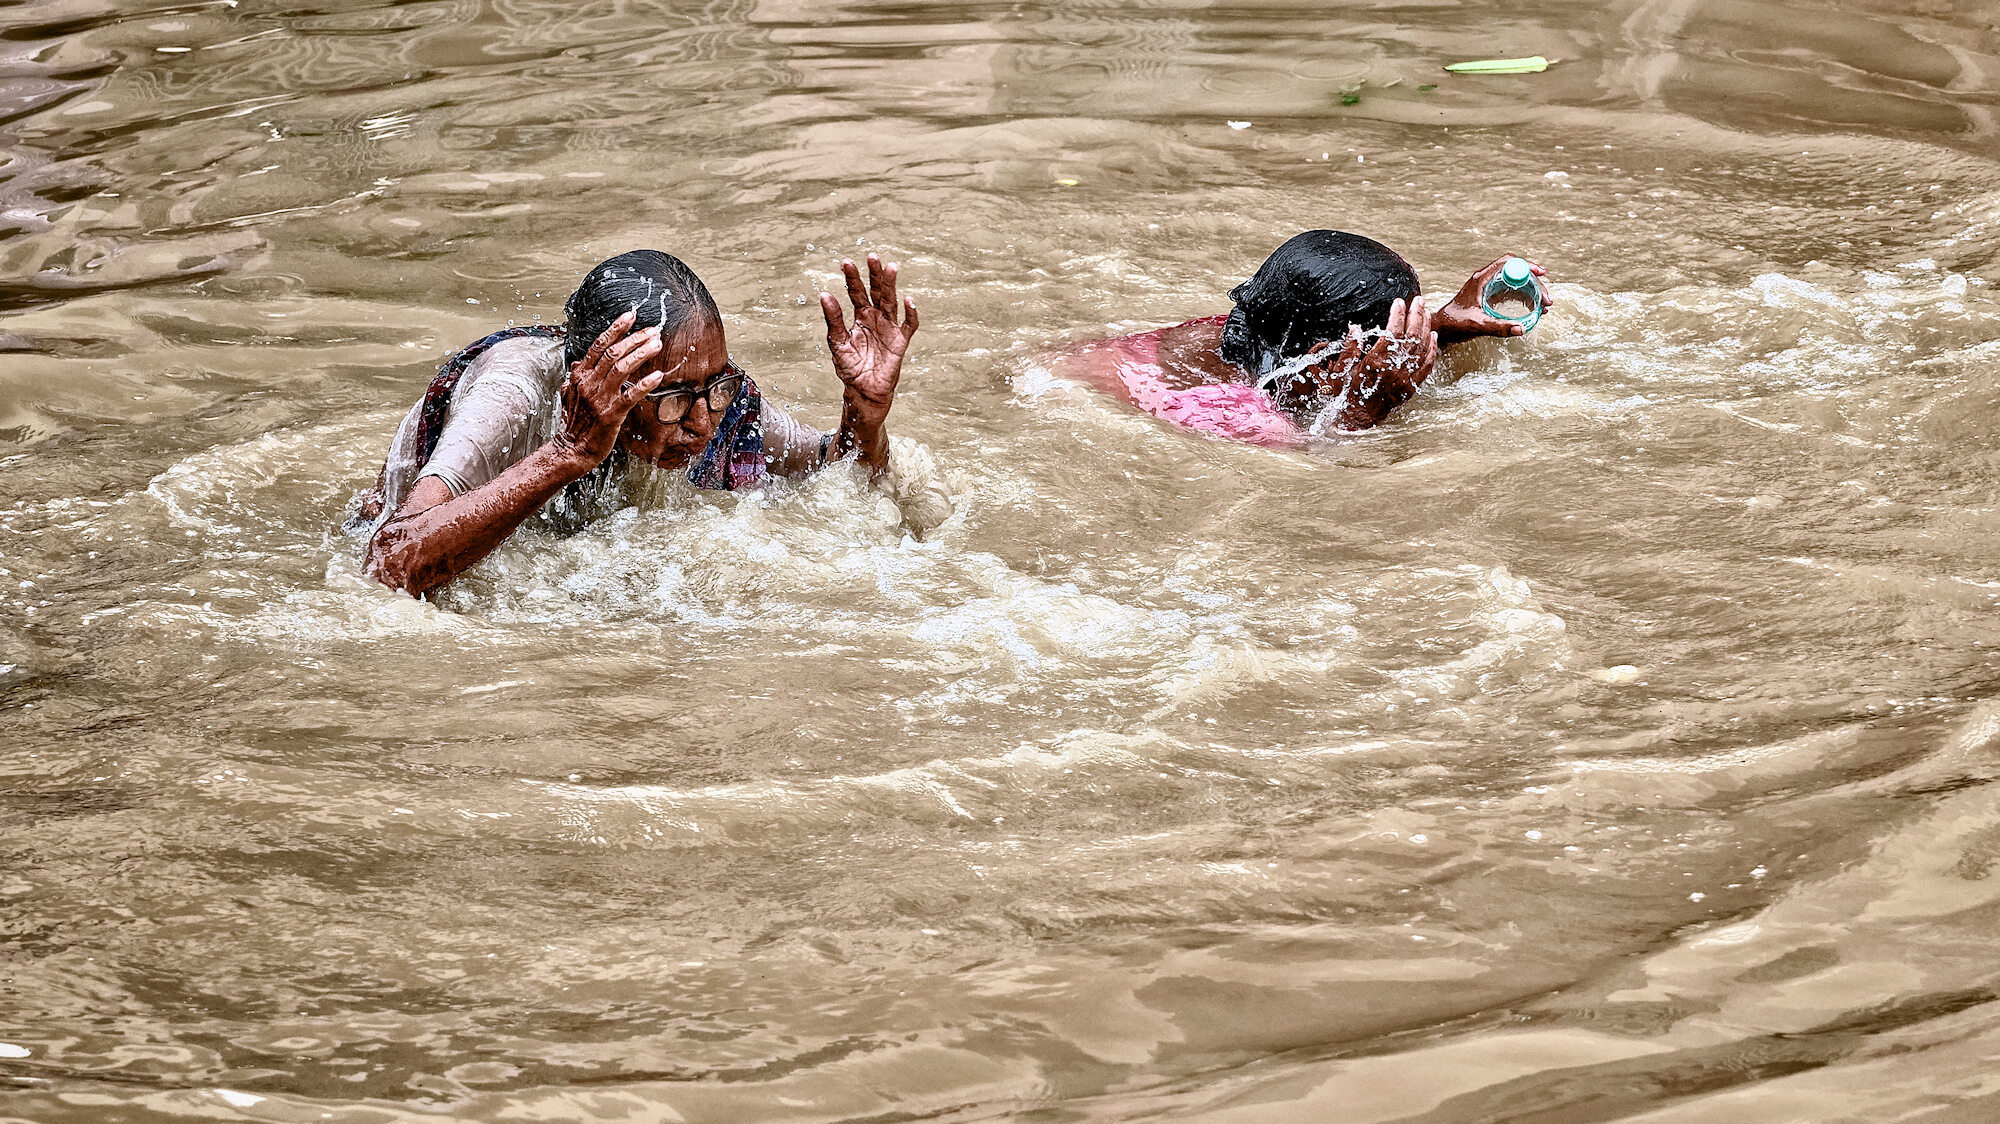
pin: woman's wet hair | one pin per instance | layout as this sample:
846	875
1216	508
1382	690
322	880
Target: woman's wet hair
659	287
1310	292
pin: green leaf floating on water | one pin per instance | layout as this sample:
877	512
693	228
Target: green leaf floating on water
1533	65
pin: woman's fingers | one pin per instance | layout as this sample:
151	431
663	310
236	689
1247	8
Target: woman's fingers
836	321
618	351
1417	321
857	295
609	336
1351	349
877	291
882	285
909	318
1379	353
643	347
1398	312
635	357
615	365
643	387
1321	364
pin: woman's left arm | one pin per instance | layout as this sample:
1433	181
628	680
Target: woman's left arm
868	358
791	447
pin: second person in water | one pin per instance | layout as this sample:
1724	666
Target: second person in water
1330	334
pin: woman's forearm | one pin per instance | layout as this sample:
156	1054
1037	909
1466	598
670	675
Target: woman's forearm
795	449
427	548
861	433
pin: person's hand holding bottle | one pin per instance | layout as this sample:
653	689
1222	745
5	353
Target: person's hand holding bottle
1464	316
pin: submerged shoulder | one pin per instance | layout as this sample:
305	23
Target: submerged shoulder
1145	349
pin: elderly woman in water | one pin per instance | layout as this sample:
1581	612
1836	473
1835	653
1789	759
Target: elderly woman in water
1329	335
640	372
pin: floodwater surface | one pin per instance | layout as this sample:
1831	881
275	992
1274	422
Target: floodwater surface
1613	735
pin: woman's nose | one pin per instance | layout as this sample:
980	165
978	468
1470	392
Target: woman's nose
698	417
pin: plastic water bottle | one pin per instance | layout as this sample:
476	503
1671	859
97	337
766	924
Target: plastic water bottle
1514	294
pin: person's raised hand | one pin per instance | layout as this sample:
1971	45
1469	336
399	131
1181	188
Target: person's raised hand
601	389
1463	317
868	354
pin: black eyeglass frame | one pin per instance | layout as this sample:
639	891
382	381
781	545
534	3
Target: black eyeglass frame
730	373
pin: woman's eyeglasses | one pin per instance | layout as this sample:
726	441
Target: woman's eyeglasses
718	391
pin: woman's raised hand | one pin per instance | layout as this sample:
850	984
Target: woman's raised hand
600	389
868	355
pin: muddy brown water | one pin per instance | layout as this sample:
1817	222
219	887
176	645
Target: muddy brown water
1612	736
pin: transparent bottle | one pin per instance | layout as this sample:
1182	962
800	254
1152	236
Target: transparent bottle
1514	294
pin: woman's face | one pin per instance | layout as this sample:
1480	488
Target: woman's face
695	354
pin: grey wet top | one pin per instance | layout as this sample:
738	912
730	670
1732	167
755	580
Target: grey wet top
508	404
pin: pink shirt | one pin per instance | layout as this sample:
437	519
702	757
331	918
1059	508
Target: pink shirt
1232	410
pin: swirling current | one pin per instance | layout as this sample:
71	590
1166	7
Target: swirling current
1612	735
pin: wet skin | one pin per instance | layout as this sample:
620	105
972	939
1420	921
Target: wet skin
695	354
435	536
1374	380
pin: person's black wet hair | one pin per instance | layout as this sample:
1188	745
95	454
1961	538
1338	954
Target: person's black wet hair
659	287
1309	292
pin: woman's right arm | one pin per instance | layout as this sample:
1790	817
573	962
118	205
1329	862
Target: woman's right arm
434	536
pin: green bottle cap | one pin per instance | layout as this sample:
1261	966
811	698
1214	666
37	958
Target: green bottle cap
1516	272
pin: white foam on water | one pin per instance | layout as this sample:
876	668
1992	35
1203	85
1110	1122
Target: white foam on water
1037	380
